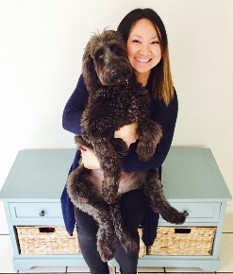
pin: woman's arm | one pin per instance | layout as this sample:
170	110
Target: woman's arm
71	119
166	116
74	108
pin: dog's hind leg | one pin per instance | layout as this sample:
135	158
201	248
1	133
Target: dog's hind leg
106	238
127	241
86	198
111	166
154	191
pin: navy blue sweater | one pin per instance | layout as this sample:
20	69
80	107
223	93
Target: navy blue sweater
164	115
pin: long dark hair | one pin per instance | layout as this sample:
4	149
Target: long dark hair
161	74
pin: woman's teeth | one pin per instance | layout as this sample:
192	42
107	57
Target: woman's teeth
143	60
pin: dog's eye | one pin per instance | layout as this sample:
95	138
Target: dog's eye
99	55
116	49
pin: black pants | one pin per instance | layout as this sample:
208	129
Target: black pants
133	208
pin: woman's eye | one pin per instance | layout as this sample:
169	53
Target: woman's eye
155	42
135	41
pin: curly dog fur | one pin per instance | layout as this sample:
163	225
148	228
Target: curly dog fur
115	99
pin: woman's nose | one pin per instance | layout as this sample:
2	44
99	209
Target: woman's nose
145	49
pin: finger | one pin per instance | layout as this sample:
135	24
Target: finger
83	148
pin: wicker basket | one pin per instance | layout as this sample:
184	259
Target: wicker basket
40	240
184	241
46	240
142	247
193	241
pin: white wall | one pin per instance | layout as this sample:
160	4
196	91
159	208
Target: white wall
41	46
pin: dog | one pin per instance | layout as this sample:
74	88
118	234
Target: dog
115	99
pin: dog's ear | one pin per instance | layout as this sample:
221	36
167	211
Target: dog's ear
88	67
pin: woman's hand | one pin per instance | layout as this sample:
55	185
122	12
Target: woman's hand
89	159
127	133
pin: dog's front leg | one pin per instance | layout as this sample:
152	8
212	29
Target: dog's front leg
111	166
150	134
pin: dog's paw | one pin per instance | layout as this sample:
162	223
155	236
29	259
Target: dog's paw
144	151
174	216
181	217
81	142
106	243
129	244
120	147
106	254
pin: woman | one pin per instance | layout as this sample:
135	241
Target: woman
147	48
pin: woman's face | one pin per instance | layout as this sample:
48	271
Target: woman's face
143	47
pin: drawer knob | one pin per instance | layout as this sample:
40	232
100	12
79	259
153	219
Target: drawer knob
42	213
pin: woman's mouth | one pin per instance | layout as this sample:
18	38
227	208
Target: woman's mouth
143	60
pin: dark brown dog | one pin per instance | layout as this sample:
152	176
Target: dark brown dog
115	99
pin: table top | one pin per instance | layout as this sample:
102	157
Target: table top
187	173
192	173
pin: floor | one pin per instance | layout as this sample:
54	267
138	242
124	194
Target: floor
226	256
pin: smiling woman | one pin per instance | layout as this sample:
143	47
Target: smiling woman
146	38
144	51
144	34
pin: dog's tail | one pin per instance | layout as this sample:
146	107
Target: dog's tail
129	243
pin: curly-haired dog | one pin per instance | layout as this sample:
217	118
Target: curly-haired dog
115	99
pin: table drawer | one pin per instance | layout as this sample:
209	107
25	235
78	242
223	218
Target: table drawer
35	210
198	212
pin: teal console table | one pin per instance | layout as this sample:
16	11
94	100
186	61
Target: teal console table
31	195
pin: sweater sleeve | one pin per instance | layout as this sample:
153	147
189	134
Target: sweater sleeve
166	116
74	108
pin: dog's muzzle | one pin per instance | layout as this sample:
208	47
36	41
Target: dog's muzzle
120	75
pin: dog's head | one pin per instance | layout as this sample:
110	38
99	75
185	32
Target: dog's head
105	61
